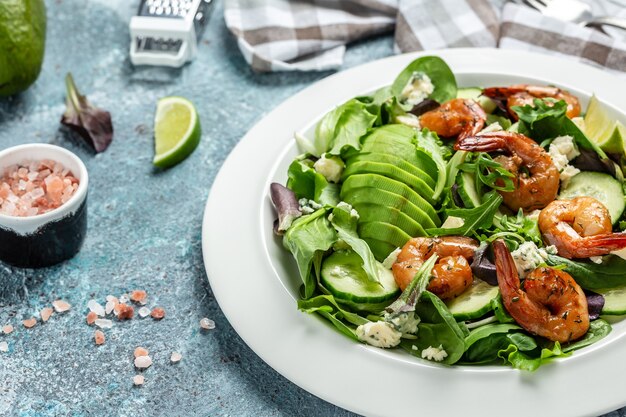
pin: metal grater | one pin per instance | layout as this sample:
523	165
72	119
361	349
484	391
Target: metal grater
167	32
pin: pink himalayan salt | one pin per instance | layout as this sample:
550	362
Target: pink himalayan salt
35	187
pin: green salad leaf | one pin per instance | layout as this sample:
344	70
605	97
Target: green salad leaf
545	121
529	361
436	328
327	307
591	276
307	239
488	172
345	223
306	182
437	70
341	128
598	329
483	343
476	218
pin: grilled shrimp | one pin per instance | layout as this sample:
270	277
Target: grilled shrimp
579	228
549	303
451	274
455	118
523	94
536	185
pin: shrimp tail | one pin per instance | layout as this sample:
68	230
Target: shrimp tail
506	271
486	142
607	242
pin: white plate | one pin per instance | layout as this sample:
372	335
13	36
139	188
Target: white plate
255	280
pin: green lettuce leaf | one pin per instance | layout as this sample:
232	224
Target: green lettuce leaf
480	217
326	306
307	239
528	361
346	224
305	182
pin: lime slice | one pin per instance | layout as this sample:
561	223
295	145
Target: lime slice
176	131
608	133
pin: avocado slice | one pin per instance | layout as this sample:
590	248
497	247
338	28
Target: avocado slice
379	248
393	172
393	160
385	232
371	212
392	186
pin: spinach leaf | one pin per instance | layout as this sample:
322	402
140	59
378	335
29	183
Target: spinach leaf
476	218
543	121
591	276
437	70
598	329
307	239
327	307
341	127
483	343
500	312
345	223
436	328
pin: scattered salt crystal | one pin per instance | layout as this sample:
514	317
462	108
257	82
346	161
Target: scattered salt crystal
138	296
144	312
110	305
28	323
98	337
143	362
4	347
125	312
176	357
91	318
6	329
138	380
123	298
104	323
61	306
140	351
112	298
96	307
158	313
207	324
45	313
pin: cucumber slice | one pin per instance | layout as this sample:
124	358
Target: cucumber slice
393	172
469	92
475	302
393	186
467	190
602	187
614	301
343	276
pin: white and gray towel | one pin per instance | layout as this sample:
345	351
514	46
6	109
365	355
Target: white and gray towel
304	35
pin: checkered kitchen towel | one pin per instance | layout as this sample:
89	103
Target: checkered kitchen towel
287	35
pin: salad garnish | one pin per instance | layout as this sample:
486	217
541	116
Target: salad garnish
464	225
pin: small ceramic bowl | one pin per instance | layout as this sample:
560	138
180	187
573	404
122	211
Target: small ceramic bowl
52	237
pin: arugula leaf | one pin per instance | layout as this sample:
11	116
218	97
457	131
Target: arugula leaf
437	70
307	239
526	228
547	120
345	223
489	172
306	182
327	307
476	218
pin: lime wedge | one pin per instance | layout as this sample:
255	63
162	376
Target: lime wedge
176	131
608	133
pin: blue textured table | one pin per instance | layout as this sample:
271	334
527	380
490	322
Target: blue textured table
144	232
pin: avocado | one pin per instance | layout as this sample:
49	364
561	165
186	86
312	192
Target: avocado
371	212
22	43
385	232
393	160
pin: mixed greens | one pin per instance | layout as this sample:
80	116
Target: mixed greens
371	178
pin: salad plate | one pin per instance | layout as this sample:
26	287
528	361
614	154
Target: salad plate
256	281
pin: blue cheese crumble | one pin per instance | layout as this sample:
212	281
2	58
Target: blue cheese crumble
436	354
562	150
417	89
379	334
331	167
405	323
528	257
308	206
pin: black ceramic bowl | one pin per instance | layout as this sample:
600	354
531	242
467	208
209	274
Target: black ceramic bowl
52	237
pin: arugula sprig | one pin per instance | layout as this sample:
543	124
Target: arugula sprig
488	172
474	219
